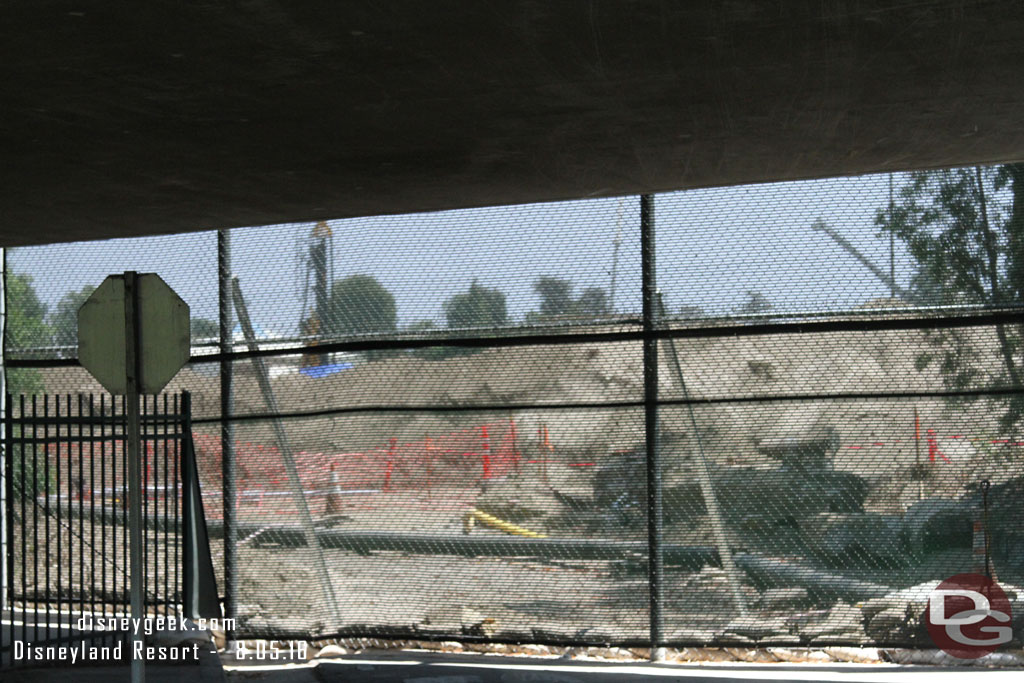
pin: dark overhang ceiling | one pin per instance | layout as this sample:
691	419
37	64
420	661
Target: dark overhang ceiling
141	118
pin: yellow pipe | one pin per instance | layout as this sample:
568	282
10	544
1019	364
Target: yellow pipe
500	524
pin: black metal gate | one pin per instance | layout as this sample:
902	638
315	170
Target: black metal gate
67	559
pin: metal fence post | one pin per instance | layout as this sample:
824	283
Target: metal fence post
650	346
227	429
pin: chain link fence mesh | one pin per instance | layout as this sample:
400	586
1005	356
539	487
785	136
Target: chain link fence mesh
462	394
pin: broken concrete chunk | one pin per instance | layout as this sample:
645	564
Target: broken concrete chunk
331	651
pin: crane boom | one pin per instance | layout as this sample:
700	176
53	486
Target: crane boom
822	226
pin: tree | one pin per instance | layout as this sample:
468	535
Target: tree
555	295
359	304
593	302
556	298
26	329
478	307
965	230
202	328
64	319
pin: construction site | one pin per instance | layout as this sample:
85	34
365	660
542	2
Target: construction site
676	332
515	525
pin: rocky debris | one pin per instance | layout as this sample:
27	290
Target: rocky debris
753	655
477	624
690	635
863	539
801	439
777	599
466	620
896	617
798	655
754	628
331	651
858	655
188	635
895	625
841	624
220	640
777	496
700	654
612	653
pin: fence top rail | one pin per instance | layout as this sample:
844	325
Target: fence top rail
667	328
117	420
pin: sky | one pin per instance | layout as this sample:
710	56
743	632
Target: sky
713	246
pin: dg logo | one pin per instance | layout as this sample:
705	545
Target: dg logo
968	616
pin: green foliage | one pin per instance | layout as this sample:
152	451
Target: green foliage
359	304
202	328
555	295
64	318
34	472
556	299
965	230
954	228
26	329
478	307
593	303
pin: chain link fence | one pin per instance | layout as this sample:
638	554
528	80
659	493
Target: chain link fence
776	414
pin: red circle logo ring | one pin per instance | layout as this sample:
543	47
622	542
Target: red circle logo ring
968	616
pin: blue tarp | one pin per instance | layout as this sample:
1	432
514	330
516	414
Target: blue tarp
318	371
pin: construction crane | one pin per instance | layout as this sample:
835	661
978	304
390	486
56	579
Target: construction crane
615	258
318	265
905	294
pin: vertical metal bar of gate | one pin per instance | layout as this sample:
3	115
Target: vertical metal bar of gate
133	457
5	517
655	568
227	429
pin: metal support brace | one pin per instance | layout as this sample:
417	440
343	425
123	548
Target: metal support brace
200	585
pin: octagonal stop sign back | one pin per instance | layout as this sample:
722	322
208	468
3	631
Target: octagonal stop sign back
163	320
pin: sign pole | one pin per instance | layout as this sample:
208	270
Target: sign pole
132	443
